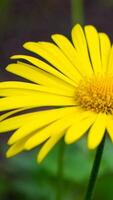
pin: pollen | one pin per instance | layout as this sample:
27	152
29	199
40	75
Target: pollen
96	94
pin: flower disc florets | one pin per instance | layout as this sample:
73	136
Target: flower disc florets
96	94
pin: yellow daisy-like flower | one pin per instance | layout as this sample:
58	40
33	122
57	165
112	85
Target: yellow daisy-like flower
75	80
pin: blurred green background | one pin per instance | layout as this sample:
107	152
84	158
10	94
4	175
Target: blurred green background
21	177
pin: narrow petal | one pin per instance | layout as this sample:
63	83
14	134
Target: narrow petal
80	44
49	131
37	75
97	131
92	37
6	115
11	91
16	148
32	122
79	127
66	47
105	47
46	148
44	90
16	92
12	88
110	63
52	54
16	121
42	65
69	50
39	100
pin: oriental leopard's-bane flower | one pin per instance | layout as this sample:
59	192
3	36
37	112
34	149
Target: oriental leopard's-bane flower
74	79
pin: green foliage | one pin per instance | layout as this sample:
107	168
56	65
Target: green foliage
22	178
4	14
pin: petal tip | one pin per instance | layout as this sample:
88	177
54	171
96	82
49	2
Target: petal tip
10	141
67	140
77	26
8	154
26	45
27	146
39	159
91	145
8	67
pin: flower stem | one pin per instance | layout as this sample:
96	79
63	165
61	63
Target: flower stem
77	11
60	171
94	172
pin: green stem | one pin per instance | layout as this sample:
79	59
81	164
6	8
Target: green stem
60	171
77	12
95	170
4	15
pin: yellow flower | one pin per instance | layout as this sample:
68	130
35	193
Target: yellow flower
74	80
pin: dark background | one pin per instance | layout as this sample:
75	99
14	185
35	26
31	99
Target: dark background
21	177
33	20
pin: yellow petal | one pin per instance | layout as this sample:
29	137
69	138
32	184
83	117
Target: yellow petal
12	88
4	116
39	100
79	127
42	65
32	122
16	122
68	49
50	130
80	44
105	47
92	37
53	54
37	75
97	131
16	148
110	63
16	92
48	146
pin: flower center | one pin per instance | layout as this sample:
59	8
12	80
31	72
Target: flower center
96	94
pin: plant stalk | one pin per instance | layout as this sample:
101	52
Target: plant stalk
77	12
60	171
94	172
